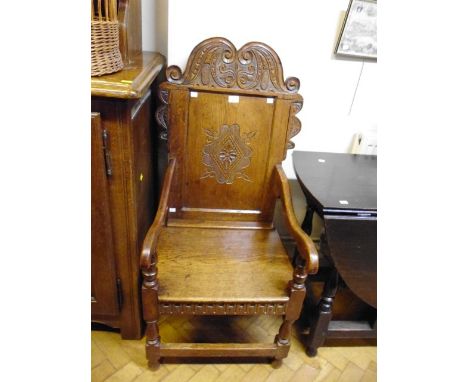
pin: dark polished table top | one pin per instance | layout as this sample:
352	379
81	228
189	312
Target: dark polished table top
342	188
338	183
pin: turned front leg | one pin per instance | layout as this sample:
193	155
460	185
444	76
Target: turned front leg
322	315
297	295
151	316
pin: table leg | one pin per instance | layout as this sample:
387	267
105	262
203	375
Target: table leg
306	227
322	315
307	222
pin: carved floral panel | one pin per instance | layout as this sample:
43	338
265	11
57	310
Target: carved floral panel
227	154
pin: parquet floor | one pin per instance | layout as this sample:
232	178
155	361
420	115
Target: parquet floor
116	360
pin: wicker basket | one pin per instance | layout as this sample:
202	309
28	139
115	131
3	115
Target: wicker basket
105	53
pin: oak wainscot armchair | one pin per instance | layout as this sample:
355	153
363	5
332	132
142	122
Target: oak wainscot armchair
213	248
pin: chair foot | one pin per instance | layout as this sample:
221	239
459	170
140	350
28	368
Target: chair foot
276	363
311	352
153	366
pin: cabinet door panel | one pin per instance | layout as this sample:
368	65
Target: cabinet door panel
104	294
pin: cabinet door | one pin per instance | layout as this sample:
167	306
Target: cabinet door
104	288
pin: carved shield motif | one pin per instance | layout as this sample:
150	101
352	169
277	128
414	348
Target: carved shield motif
227	154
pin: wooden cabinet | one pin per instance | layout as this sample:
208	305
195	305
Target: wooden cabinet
104	290
124	191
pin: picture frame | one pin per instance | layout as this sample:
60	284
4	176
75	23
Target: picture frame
358	36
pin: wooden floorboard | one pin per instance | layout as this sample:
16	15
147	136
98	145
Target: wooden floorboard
114	359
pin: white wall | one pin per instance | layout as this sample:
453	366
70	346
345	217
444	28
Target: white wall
154	19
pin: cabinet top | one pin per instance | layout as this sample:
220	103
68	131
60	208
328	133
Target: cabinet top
132	81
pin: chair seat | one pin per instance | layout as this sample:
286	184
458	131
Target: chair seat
208	265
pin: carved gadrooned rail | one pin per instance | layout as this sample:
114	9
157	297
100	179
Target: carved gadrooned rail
223	309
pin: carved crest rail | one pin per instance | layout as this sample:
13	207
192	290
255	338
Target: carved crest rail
216	62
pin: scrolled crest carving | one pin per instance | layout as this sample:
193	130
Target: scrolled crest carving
161	113
294	123
215	62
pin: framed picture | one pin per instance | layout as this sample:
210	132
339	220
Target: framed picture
358	37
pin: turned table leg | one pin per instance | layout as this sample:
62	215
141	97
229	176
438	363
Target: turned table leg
322	315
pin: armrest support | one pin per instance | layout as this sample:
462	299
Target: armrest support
305	246
151	238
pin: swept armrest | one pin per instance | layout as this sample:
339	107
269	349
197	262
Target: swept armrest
151	238
305	246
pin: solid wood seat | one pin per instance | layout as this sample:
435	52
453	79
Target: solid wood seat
222	265
213	248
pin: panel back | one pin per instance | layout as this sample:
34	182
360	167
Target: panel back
229	119
227	151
